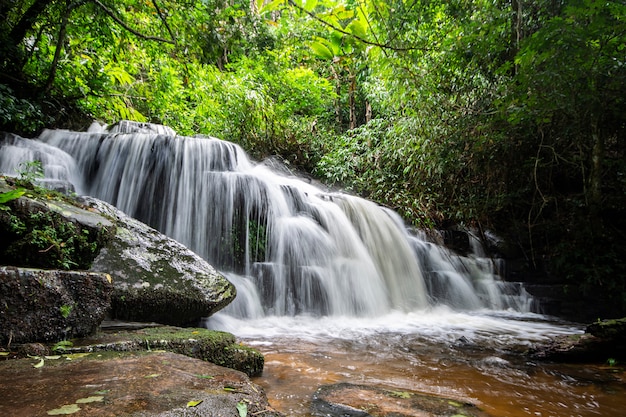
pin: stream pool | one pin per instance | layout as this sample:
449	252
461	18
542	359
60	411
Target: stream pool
476	357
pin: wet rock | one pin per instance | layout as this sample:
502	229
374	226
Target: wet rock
127	384
50	305
218	347
602	341
349	400
156	278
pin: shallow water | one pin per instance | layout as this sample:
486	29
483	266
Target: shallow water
474	357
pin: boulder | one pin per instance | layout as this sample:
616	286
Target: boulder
603	341
50	305
350	400
132	384
156	279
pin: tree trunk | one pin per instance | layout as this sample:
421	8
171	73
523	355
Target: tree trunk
59	47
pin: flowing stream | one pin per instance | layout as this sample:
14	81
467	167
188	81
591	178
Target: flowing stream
331	287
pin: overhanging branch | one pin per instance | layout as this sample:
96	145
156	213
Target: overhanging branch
131	30
341	30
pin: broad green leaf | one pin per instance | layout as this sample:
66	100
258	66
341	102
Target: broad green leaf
358	28
194	403
242	408
321	51
66	409
11	195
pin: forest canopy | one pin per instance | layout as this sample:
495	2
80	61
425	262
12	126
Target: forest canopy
501	115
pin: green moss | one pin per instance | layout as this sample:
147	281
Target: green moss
213	346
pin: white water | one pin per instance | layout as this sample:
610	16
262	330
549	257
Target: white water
292	249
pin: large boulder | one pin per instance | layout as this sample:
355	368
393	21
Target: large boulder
50	305
156	278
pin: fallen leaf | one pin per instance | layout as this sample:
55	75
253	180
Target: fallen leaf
66	409
242	408
86	400
204	376
38	364
152	376
72	356
194	403
5	353
53	357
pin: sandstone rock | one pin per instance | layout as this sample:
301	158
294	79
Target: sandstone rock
156	278
50	305
350	400
134	384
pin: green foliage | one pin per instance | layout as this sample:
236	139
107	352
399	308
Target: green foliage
66	310
504	114
30	171
10	196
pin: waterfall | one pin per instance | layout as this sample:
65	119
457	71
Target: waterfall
290	247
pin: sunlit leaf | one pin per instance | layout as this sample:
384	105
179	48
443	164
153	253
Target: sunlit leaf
194	403
66	409
38	364
11	195
358	28
321	51
309	5
5	353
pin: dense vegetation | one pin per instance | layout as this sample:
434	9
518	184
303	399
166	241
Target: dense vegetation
502	115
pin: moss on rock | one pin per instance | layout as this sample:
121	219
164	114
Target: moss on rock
217	347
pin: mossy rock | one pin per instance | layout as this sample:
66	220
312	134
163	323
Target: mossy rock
220	348
609	329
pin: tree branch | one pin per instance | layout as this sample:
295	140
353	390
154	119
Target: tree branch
128	28
338	29
164	20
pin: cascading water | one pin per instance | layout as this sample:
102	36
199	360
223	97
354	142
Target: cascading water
331	288
289	247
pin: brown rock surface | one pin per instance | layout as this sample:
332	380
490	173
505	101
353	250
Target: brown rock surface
126	384
349	400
